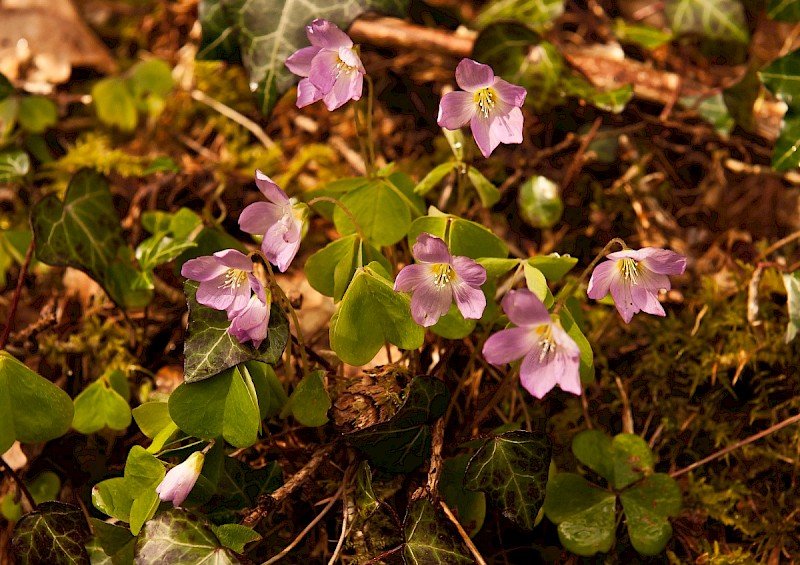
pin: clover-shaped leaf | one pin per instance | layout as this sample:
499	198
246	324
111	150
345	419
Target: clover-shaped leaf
103	404
401	444
54	533
331	269
647	506
309	402
512	470
466	238
370	314
431	538
210	349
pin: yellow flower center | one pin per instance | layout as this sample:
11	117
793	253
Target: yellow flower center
486	99
546	342
234	279
342	67
442	273
629	270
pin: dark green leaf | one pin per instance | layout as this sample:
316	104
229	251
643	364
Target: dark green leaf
366	501
639	34
222	406
32	409
36	113
310	402
713	109
540	202
401	444
210	349
584	513
593	449
538	14
741	98
784	10
268	32
632	459
431	538
54	534
370	314
512	470
271	396
613	100
178	536
792	283
712	19
44	486
235	536
115	104
647	506
786	154
782	77
380	210
467	238
6	88
113	541
240	486
331	269
469	505
14	164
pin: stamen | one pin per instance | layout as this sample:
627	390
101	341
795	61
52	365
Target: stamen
485	98
442	273
233	279
629	269
547	344
342	67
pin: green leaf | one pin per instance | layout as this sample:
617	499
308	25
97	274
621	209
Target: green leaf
32	409
585	514
512	470
14	164
225	405
467	238
469	505
380	210
553	266
309	402
613	101
6	88
537	14
784	10
365	499
235	536
240	486
143	473
632	459
433	177
593	449
455	139
537	284
370	314
639	34
111	545
183	538
488	193
112	497
782	77
54	534
540	202
44	486
210	349
159	249
496	267
402	443
115	104
152	417
331	269
36	114
792	283
151	78
431	538
99	406
713	109
587	355
9	108
335	189
268	32
714	19
647	506
453	325
271	396
786	154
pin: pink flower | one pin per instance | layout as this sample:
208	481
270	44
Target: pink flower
250	324
490	105
226	279
280	221
332	66
634	278
549	356
438	279
179	481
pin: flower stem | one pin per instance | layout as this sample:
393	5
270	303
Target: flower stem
369	119
22	488
568	288
362	145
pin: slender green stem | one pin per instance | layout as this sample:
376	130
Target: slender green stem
288	305
22	488
369	119
344	208
362	145
569	288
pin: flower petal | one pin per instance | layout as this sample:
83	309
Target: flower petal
469	270
300	61
412	276
179	481
623	298
323	33
646	300
202	269
524	309
307	93
456	109
539	375
509	345
484	134
275	247
663	261
470	300
347	87
472	75
602	277
235	259
270	190
258	217
251	324
214	294
431	249
509	93
429	303
324	70
506	123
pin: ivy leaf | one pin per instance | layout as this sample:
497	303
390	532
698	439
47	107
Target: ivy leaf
331	269
240	486
401	444
267	32
538	14
14	164
470	505
713	109
223	406
54	533
613	100
210	349
467	238
181	537
585	514
792	283
714	19
431	538
647	506
365	499
782	76
32	409
512	470
310	402
783	10
111	545
786	154
99	405
370	314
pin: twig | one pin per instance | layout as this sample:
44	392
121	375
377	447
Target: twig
266	502
308	528
345	530
385	554
23	489
737	445
435	469
232	114
577	159
627	417
780	243
17	292
464	536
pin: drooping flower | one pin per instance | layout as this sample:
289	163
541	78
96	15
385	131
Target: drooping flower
250	324
634	278
488	103
180	480
281	221
331	66
226	279
549	356
438	279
